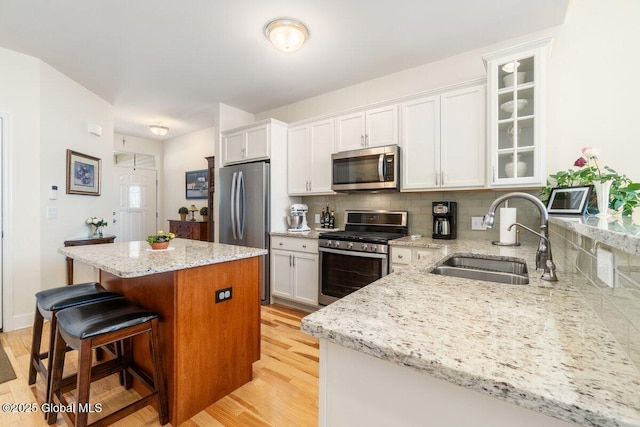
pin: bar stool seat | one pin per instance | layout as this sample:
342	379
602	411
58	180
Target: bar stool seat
48	302
88	326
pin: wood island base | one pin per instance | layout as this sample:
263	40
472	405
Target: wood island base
208	347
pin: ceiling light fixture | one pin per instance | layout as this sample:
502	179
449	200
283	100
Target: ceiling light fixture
158	129
286	34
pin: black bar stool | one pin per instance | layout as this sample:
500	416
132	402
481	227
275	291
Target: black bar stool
90	326
48	303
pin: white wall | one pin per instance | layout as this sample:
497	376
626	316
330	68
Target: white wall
48	114
66	110
593	90
592	94
20	89
181	154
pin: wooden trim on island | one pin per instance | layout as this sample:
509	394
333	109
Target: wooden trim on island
209	347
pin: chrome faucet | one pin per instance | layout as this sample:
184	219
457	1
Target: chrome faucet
544	259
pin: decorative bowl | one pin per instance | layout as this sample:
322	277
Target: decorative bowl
159	245
508	79
508	106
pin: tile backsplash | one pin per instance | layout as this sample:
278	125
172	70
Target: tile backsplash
470	203
617	306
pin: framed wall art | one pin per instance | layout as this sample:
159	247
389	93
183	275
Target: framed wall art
196	184
83	174
569	200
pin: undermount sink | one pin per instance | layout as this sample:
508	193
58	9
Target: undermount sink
511	271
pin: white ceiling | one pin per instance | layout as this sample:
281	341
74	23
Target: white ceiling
173	60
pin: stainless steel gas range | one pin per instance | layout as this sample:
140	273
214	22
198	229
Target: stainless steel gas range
359	255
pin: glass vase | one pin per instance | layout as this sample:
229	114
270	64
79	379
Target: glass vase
602	194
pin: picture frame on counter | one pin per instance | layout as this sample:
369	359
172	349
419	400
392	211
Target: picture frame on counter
83	174
569	200
197	184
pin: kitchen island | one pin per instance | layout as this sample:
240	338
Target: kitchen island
415	348
209	342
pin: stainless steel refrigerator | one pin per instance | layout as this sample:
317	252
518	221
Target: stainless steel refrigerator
244	211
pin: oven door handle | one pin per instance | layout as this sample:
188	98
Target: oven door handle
353	253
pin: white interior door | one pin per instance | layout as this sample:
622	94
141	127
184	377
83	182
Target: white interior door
136	214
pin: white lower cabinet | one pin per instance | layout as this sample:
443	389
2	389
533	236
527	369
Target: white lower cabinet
294	269
403	256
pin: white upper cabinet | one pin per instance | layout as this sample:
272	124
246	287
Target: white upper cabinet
249	143
516	80
309	158
372	128
443	141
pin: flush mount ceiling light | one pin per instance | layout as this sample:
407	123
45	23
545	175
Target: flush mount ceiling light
158	129
287	35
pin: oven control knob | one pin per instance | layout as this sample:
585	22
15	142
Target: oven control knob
364	246
349	245
373	248
328	243
336	244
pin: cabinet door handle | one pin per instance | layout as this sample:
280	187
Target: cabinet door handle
437	174
400	256
441	177
280	243
304	246
362	140
366	140
289	260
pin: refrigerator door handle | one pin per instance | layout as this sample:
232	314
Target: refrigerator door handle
240	213
232	203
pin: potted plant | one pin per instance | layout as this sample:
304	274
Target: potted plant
622	194
160	240
204	212
183	211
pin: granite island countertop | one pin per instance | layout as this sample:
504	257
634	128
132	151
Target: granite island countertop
539	346
135	259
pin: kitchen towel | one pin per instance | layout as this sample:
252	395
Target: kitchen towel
507	217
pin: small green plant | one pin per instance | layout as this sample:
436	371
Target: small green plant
204	211
183	210
160	237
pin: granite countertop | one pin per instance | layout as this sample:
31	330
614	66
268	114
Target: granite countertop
616	231
539	346
134	259
313	234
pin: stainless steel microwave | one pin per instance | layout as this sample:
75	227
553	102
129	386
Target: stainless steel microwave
366	169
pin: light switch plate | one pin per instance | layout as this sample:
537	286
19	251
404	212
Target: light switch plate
52	212
317	218
606	267
476	223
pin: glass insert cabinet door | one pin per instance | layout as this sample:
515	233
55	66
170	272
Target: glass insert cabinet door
516	108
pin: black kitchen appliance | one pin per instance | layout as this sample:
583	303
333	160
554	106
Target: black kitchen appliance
445	220
359	255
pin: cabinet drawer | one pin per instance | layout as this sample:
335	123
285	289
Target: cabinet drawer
421	253
294	244
401	255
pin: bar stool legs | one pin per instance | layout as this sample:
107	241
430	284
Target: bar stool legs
48	303
81	329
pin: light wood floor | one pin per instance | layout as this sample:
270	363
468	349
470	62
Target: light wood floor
283	392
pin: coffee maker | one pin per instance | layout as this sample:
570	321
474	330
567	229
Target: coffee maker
445	220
